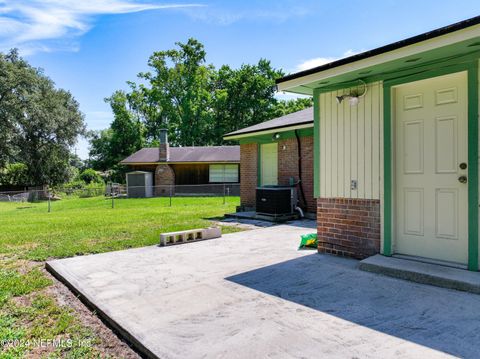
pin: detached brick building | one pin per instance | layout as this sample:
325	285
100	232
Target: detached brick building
187	166
277	152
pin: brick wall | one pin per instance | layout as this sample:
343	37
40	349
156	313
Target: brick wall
348	227
248	173
287	167
164	176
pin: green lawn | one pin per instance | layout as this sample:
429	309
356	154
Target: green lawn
30	235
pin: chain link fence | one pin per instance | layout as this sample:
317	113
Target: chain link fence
115	192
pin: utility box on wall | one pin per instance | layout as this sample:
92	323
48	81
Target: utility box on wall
139	184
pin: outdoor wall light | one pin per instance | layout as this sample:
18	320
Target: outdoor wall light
276	136
354	96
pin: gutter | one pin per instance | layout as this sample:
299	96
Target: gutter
180	163
299	126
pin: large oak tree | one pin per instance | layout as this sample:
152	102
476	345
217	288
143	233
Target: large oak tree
39	123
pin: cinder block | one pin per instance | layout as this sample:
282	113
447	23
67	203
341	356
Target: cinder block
212	232
193	235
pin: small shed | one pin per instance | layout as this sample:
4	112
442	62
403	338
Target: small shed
139	184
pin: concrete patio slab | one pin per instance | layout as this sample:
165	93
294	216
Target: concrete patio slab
426	273
252	294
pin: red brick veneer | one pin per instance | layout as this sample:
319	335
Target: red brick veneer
287	167
348	227
248	173
164	178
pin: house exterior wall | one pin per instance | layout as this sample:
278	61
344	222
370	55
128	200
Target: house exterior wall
348	227
164	179
350	144
287	168
248	174
350	148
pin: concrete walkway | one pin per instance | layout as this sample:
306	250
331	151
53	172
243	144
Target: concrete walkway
421	272
252	294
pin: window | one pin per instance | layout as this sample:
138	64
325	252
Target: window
223	173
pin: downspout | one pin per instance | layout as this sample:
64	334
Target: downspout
300	182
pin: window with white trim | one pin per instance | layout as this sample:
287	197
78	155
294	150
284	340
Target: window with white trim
223	173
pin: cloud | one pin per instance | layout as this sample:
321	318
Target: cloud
222	16
49	25
319	61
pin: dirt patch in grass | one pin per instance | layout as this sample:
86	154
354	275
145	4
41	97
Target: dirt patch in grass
110	345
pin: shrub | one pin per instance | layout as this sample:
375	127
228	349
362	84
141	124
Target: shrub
92	190
90	176
15	174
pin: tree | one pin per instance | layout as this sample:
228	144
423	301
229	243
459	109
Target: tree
16	78
125	135
39	123
127	130
197	103
100	156
177	95
194	101
243	97
14	174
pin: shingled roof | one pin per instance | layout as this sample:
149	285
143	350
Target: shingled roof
301	117
213	154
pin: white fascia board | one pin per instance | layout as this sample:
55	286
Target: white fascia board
266	132
427	45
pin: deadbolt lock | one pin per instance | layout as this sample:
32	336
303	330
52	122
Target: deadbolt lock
463	166
462	179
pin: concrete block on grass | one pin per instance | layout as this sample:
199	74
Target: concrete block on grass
191	235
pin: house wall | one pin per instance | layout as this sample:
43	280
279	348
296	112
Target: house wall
188	174
350	148
287	167
248	173
350	144
164	179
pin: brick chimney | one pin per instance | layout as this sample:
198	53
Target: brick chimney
164	149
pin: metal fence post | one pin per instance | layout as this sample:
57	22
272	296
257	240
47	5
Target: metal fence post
111	195
49	203
170	195
224	198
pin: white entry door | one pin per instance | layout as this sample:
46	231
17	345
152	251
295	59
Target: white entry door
431	216
269	164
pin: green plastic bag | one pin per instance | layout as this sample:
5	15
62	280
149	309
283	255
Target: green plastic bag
308	241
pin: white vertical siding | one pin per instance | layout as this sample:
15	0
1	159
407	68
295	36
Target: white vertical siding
351	143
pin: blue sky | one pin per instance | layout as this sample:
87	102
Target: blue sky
92	47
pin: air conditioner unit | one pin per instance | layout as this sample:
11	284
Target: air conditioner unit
276	200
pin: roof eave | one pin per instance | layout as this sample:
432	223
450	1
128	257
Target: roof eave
302	82
300	126
177	162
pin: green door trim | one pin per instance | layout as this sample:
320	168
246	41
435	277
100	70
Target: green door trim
259	165
316	143
472	74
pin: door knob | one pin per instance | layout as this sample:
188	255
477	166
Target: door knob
462	179
463	166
